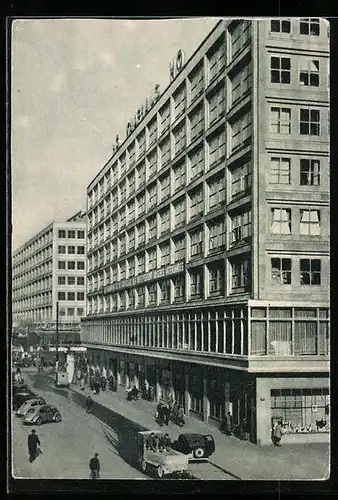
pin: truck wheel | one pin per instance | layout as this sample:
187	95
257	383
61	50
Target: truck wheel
160	472
144	466
199	452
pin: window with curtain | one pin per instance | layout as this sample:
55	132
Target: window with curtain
281	221
305	337
280	338
258	338
309	222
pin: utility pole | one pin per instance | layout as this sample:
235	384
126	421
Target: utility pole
57	343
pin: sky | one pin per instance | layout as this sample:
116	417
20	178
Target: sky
75	85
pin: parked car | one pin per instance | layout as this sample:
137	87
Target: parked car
30	403
196	446
20	397
42	414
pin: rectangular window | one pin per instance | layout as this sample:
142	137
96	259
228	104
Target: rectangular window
310	271
131	240
179	101
80	311
123	190
165	152
61	295
216	278
281	221
179	285
71	234
152	228
131	267
216	60
152	164
216	148
280	69
152	129
71	249
280	170
131	211
241	273
196	82
131	154
196	242
80	235
240	227
196	203
241	131
217	235
115	199
240	37
241	83
61	233
216	192
281	271
71	296
165	117
152	194
309	122
280	26
309	72
305	338
71	264
241	179
80	296
179	173
131	184
140	296
216	104
80	250
165	291
309	172
80	280
152	294
61	249
280	120
141	174
152	260
131	299
165	254
165	220
122	217
309	26
196	123
179	139
309	222
179	210
179	244
141	203
140	259
61	264
141	234
122	240
196	283
141	142
197	163
165	187
71	280
61	280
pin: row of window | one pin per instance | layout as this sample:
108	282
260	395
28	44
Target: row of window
71	233
308	71
33	247
33	262
309	121
71	280
71	296
71	311
309	222
70	264
33	301
71	249
306	26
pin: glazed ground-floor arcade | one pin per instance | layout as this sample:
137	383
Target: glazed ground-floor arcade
207	392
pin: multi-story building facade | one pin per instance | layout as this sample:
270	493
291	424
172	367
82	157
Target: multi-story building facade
208	230
51	268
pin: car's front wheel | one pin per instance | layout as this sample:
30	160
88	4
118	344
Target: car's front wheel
57	417
39	421
199	452
144	466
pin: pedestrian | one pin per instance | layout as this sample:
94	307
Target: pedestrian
166	413
97	387
94	466
33	443
82	384
277	433
89	404
229	424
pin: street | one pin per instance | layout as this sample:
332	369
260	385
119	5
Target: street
67	446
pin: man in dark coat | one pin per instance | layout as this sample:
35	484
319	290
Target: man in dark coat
33	443
94	466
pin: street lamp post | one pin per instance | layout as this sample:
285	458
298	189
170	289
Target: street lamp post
57	343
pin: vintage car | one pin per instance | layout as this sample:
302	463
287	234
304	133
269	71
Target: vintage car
195	446
42	414
30	403
21	396
167	461
62	379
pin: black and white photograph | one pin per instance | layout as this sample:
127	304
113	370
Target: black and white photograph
170	249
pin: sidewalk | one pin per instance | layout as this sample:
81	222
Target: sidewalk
240	459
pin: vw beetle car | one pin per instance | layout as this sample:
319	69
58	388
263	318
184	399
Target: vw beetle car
21	396
42	414
30	403
196	446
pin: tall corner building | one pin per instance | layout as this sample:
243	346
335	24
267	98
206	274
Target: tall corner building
51	268
208	235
